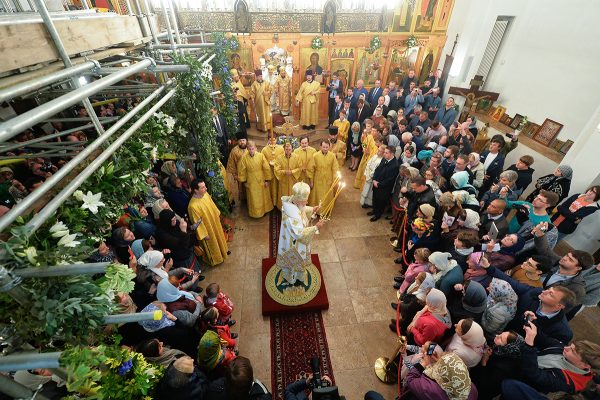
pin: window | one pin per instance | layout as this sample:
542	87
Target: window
494	43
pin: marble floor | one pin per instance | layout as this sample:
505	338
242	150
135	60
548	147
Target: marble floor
358	268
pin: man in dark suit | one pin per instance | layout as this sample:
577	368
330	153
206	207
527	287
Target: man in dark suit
381	103
493	163
437	81
222	136
338	106
363	111
358	90
494	213
375	92
406	81
383	182
350	112
335	88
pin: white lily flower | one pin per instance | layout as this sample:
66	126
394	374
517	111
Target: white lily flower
92	202
31	254
159	115
182	131
78	195
68	241
59	226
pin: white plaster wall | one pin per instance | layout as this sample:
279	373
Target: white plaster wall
547	66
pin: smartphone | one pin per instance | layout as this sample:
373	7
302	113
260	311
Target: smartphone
431	349
481	257
527	319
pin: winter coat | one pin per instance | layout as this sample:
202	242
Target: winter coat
428	328
591	276
447	282
421	387
557	184
569	224
524	178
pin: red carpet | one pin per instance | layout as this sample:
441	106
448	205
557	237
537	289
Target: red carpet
295	338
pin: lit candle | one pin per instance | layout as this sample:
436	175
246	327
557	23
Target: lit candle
335	182
332	203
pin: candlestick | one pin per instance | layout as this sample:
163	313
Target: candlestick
332	203
271	114
335	182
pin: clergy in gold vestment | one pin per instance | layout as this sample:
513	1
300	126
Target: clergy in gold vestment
283	88
337	147
235	155
260	92
343	126
226	182
325	170
308	95
254	171
287	172
369	150
203	210
271	151
241	94
305	161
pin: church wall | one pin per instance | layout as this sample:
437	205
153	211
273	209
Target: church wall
546	66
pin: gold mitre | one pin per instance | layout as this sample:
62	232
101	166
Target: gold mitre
271	67
234	72
300	192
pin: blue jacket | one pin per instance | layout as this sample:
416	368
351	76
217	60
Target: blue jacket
410	103
555	327
445	117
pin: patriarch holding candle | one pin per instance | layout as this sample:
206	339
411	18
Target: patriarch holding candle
295	235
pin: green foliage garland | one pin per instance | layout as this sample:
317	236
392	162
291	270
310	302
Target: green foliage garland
316	43
223	48
191	108
109	372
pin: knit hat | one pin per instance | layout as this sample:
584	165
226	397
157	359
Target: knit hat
209	351
451	373
565	171
427	210
475	297
184	364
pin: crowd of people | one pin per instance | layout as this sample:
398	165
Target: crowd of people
484	302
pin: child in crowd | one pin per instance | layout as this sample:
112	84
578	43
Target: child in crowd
209	321
421	264
214	297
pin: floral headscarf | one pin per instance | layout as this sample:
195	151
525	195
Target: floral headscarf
210	352
500	292
451	373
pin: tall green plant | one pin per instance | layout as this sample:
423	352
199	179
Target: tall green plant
191	109
223	48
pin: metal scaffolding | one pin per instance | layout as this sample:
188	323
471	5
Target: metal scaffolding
82	153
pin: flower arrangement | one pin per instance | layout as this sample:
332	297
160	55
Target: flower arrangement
411	41
316	43
374	45
220	64
104	371
281	140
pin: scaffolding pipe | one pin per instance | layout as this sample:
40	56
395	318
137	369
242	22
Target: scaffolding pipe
47	137
182	46
79	119
140	17
133	317
168	22
33	197
152	31
62	52
17	391
24	361
39	219
158	68
34	84
175	24
21	122
61	270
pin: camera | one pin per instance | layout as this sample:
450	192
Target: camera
320	389
46	166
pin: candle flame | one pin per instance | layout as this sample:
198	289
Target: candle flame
339	174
